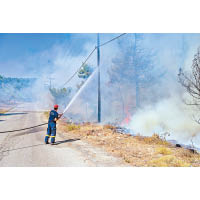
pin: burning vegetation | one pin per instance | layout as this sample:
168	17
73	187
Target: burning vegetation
140	94
136	150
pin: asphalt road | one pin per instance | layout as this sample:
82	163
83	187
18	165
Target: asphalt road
27	148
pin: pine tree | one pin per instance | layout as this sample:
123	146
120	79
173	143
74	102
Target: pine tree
131	72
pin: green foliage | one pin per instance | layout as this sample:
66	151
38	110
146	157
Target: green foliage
85	71
60	94
15	89
17	83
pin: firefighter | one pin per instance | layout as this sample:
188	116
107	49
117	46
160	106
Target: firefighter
51	130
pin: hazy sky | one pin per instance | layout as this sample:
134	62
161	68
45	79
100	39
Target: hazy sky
20	53
29	55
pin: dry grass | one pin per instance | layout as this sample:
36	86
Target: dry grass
163	151
154	139
135	150
2	111
108	126
168	161
72	127
46	114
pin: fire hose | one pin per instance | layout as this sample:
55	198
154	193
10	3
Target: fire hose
24	128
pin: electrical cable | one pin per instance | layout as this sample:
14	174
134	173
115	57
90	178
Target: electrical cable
68	81
80	67
112	39
91	55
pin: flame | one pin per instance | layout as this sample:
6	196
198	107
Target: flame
128	117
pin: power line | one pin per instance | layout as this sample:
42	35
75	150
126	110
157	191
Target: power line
80	67
91	55
112	40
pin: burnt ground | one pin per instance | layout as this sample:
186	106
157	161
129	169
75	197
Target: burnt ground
134	150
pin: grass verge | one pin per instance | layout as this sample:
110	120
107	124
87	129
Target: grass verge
135	150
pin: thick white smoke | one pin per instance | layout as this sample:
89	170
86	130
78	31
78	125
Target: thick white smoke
169	115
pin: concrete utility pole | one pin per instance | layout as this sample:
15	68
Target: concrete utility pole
99	79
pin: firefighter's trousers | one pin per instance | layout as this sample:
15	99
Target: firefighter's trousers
51	132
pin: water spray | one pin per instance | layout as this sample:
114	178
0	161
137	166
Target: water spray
79	91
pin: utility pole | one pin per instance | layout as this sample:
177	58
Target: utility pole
136	74
86	112
99	79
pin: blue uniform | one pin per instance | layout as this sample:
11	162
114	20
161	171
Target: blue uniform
51	130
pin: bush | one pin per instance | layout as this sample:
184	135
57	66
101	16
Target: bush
61	94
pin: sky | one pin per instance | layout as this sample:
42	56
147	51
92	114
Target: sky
16	46
20	53
30	55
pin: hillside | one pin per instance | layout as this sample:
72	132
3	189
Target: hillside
15	89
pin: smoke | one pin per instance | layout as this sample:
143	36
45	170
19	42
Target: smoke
50	68
169	113
161	99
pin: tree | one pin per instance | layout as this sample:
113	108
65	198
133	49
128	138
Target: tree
84	74
15	88
191	81
61	95
132	71
85	71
